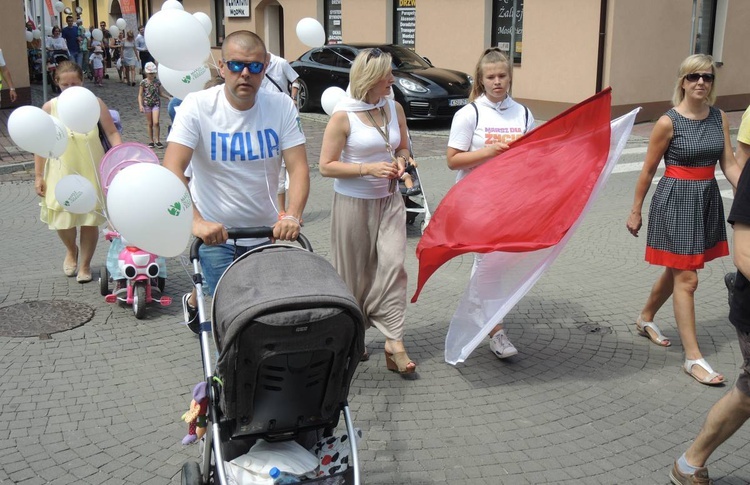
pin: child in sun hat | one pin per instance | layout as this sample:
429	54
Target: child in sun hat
96	59
150	93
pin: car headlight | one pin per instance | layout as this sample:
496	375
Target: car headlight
410	85
471	80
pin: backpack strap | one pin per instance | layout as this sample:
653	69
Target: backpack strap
274	83
525	119
476	110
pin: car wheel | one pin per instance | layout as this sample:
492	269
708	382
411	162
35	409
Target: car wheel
303	97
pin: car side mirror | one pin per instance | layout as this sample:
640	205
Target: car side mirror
428	61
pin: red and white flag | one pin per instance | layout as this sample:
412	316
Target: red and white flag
519	209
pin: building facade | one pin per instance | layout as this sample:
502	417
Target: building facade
564	50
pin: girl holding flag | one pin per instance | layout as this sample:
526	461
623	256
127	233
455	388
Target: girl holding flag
480	131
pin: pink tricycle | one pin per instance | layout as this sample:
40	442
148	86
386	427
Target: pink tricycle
137	278
137	275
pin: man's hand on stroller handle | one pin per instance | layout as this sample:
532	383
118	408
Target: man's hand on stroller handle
287	229
210	232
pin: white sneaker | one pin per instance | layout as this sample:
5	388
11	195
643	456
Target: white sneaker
501	346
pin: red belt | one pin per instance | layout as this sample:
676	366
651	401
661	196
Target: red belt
690	173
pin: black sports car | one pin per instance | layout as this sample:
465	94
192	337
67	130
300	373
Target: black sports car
425	91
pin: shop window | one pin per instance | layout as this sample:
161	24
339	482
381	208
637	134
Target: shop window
704	26
218	22
507	15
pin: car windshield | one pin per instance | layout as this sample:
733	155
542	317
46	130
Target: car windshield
405	59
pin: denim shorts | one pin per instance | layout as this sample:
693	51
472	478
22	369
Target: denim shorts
743	381
216	259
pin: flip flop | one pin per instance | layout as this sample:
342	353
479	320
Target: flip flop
659	339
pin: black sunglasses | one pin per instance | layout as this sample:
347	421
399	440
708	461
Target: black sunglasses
237	66
694	76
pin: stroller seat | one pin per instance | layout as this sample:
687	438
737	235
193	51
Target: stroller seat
289	336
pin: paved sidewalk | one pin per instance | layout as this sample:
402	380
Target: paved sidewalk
586	400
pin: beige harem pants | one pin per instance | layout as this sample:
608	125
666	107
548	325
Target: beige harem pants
368	245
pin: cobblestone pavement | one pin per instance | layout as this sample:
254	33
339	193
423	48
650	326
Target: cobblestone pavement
101	403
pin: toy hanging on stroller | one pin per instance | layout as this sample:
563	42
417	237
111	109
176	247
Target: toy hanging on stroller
136	274
289	336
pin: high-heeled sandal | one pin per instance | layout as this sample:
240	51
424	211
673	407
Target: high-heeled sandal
399	362
659	339
708	380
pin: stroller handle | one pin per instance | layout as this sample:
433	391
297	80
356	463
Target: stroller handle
247	233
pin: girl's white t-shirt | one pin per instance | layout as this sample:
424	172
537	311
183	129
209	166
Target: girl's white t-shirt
236	154
501	122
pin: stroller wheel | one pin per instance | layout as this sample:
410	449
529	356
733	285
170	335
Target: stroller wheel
191	473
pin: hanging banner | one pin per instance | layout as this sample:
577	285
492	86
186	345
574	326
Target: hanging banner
128	11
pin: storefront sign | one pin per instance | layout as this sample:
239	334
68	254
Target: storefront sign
502	23
237	8
333	21
405	23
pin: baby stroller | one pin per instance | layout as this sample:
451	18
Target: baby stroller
414	197
289	336
137	275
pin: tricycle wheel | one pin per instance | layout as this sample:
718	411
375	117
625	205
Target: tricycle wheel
104	281
139	300
191	474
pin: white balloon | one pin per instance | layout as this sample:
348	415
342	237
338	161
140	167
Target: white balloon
48	30
61	138
37	33
114	30
172	38
205	21
121	24
172	5
76	194
79	109
97	34
330	98
33	130
87	34
67	10
181	83
151	208
310	32
59	7
29	36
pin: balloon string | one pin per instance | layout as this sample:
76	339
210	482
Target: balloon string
100	192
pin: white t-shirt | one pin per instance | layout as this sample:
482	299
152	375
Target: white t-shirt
236	154
281	72
97	60
2	59
365	145
498	122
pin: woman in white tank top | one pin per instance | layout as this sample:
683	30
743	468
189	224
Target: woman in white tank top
365	149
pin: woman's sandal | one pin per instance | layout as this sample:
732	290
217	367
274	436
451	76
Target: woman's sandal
708	380
659	339
399	362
